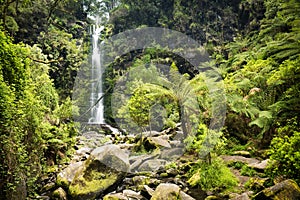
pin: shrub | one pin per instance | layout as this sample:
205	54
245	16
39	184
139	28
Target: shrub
285	153
214	176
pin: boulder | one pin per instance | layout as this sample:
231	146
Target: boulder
112	156
168	191
173	153
160	141
260	166
136	161
287	189
152	165
104	169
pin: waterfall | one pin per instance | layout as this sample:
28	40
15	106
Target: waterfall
97	110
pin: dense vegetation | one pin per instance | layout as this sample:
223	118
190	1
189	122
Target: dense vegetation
254	45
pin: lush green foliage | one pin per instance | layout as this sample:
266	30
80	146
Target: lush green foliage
214	176
34	129
285	152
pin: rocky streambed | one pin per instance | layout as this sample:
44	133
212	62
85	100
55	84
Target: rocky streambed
111	165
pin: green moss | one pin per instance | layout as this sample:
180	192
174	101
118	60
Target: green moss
83	187
62	182
247	171
59	193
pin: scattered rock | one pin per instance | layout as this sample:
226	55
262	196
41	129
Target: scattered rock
242	153
84	150
112	156
170	154
48	186
43	197
132	194
151	133
287	189
243	196
211	197
59	194
159	141
242	159
136	161
116	196
184	196
166	191
149	190
261	166
152	165
66	176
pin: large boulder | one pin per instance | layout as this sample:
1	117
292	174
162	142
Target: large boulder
105	168
287	189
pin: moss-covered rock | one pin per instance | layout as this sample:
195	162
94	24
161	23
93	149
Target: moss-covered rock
105	167
286	190
59	194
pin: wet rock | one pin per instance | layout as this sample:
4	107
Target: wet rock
242	153
166	191
242	159
211	197
48	187
151	133
136	161
66	176
111	130
160	141
260	166
93	139
126	146
184	196
43	197
104	169
140	181
243	196
149	190
112	156
83	151
152	165
132	194
176	144
197	193
170	154
116	196
59	194
287	189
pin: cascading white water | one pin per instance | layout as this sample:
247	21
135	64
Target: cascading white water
97	110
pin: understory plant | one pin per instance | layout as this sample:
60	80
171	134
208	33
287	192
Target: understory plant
214	176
